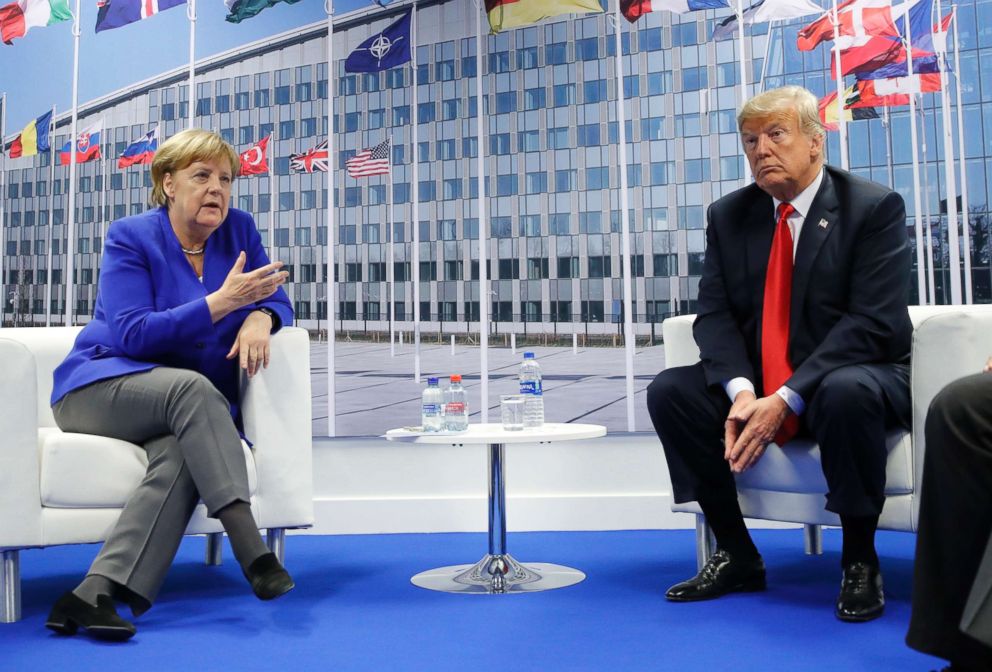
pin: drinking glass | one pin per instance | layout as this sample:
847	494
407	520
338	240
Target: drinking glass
512	411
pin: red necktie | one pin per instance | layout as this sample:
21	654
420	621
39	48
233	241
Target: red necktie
775	365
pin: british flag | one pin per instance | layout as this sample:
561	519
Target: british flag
314	159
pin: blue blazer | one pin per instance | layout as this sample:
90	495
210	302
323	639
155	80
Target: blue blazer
151	310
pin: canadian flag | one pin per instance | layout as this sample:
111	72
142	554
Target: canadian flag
857	22
253	160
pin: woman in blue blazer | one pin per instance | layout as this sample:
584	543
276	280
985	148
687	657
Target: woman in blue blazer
187	296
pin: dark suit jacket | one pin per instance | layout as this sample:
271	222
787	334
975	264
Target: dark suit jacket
850	283
976	620
152	311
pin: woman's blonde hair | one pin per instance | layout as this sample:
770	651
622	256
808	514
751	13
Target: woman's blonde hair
768	102
184	148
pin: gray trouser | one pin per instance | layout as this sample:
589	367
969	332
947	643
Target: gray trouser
194	452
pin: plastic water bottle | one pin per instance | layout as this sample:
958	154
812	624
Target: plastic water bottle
532	390
455	406
431	404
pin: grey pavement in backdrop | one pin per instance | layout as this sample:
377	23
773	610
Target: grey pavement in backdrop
377	392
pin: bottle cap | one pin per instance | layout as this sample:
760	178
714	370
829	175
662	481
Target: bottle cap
432	381
456	378
528	355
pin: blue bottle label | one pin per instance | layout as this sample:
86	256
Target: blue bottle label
530	387
431	410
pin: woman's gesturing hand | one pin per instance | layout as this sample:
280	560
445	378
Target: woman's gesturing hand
252	342
240	288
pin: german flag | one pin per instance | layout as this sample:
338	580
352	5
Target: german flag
830	110
513	13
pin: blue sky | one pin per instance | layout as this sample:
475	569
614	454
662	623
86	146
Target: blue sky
36	71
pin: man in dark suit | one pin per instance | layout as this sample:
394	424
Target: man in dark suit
952	581
802	325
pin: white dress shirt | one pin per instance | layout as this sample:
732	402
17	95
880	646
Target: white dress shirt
801	204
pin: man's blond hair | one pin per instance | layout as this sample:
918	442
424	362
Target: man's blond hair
777	100
184	148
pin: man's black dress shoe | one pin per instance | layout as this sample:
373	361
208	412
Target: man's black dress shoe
720	575
861	597
268	578
101	621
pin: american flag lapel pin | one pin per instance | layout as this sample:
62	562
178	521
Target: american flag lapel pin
822	224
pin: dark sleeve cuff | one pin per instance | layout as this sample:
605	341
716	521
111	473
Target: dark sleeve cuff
276	320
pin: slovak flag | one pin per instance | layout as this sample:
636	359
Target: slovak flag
87	145
253	160
635	9
141	151
117	13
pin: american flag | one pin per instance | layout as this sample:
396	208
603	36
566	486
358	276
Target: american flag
367	162
314	159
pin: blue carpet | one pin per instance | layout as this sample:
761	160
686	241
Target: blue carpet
355	609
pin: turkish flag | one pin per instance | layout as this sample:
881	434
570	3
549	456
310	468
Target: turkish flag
253	160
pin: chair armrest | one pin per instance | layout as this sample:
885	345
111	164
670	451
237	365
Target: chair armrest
946	346
275	405
20	495
680	345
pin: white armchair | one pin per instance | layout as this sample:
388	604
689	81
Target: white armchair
788	484
63	488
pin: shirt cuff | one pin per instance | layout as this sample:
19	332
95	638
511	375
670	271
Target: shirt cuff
735	386
792	399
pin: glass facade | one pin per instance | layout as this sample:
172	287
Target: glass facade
551	166
551	160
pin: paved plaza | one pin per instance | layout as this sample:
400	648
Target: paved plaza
376	391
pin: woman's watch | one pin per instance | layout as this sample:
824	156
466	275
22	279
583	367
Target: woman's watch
272	316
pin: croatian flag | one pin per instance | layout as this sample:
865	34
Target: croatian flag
141	151
635	9
117	13
87	145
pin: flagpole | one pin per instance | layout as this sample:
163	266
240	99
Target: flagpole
390	275
484	303
272	206
3	197
966	225
191	15
839	77
764	60
332	287
628	318
889	172
914	144
103	202
71	231
739	10
926	190
415	218
51	220
950	176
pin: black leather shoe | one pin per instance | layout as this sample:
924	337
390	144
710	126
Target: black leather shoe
720	575
101	621
268	578
861	597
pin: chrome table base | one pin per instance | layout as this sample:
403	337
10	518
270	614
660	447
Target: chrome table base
498	572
